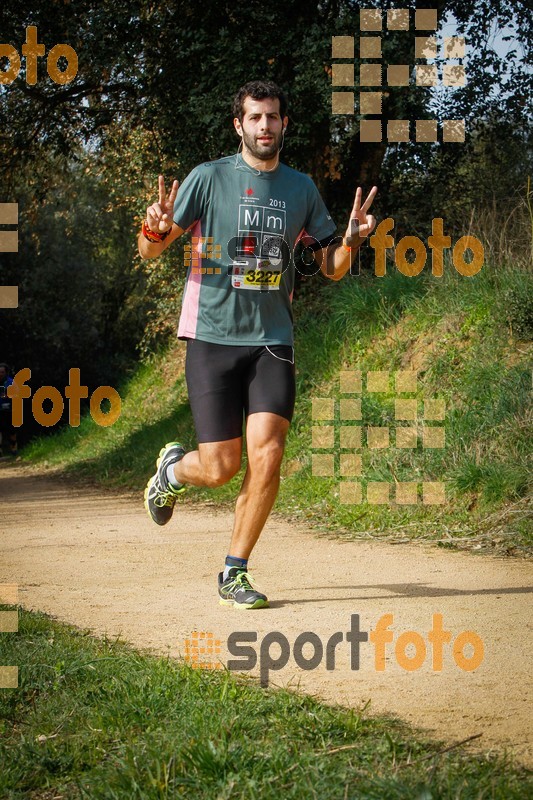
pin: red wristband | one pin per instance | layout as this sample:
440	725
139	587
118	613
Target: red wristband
152	236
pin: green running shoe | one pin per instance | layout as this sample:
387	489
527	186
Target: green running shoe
160	495
237	591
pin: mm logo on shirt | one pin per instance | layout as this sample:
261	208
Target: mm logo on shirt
263	223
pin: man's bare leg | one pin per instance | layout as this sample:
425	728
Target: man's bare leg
213	464
265	443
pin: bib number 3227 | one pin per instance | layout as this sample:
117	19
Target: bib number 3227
247	277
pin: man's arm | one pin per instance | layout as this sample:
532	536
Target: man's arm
153	249
336	259
158	222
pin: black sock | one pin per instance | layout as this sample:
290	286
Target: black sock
233	562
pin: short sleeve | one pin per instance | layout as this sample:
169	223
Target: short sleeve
318	222
189	204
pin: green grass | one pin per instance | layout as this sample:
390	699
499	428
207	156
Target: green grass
95	719
460	333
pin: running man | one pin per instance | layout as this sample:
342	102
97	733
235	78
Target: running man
245	212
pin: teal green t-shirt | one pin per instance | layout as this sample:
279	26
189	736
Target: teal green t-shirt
240	270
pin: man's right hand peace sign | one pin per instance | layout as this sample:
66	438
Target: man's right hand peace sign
159	215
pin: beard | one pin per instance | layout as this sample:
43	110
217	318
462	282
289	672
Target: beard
259	150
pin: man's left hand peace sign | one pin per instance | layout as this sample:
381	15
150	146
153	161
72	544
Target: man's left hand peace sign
361	223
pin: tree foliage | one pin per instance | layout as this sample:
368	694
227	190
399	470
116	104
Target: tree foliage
153	94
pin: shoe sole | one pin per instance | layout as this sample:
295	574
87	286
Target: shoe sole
243	606
147	489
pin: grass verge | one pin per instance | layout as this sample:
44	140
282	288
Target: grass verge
95	719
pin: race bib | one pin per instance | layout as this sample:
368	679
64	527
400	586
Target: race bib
261	276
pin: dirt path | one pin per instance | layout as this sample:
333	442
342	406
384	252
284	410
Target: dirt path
98	562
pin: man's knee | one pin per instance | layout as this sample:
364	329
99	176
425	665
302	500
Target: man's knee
268	455
219	468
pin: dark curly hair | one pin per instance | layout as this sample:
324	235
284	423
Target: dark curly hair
259	90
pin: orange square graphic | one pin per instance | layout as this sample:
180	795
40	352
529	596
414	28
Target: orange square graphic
435	408
9	241
406	380
350	493
377	493
202	644
398	19
434	437
370	47
425	47
377	438
377	381
426	19
370	130
9	677
351	465
454	47
9	621
406	494
405	409
9	213
426	75
406	437
398	75
370	103
350	381
426	130
350	437
323	408
433	493
370	74
323	465
342	75
453	75
398	130
323	437
9	296
453	130
9	594
342	103
342	47
370	19
351	409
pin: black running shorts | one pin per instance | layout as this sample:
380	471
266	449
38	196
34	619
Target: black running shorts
227	381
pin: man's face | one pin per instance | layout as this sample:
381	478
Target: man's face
262	127
3	374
